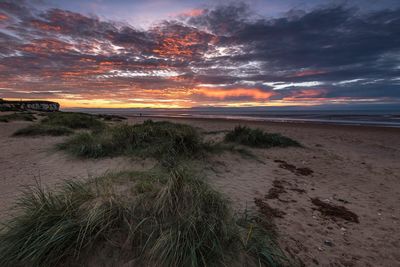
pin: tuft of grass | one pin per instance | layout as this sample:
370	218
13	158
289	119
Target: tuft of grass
17	117
108	117
187	224
258	138
55	226
162	140
62	123
160	218
38	130
73	120
259	242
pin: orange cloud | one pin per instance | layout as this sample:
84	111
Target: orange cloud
222	94
44	26
176	46
46	46
181	42
193	12
3	17
307	94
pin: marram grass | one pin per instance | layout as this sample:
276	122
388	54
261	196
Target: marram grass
18	116
62	123
73	120
39	130
172	219
162	140
258	138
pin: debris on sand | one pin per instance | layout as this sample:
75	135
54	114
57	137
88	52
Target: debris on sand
304	171
298	190
276	190
267	210
298	171
335	211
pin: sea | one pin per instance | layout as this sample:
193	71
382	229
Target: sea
376	117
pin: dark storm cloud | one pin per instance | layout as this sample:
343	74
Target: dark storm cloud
333	44
223	20
227	54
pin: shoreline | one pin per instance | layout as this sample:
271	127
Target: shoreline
386	120
306	124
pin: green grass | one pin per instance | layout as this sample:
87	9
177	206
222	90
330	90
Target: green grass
39	130
257	138
73	120
17	117
168	216
54	226
162	140
7	109
108	117
62	123
172	219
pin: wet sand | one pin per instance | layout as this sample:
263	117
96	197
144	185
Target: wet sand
356	167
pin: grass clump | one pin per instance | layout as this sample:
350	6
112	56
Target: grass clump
73	120
258	138
172	219
187	224
55	226
38	130
259	242
17	117
62	123
161	140
109	117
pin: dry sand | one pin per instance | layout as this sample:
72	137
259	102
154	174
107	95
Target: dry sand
354	167
25	161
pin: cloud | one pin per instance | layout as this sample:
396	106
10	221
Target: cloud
225	55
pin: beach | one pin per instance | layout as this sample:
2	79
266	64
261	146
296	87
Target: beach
356	167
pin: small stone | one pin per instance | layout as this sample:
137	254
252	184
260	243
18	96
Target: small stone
328	243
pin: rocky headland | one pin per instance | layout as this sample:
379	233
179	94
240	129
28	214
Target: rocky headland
38	105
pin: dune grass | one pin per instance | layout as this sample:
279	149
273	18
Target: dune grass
53	226
61	123
38	130
166	218
108	117
73	120
258	138
20	116
162	140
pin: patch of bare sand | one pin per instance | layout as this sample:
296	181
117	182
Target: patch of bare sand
354	167
25	160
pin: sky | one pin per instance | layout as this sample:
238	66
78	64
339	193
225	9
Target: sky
193	53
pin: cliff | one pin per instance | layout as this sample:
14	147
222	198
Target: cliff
38	105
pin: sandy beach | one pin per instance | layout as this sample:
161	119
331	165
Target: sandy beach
355	167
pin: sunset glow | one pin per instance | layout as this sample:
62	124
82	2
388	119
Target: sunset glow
199	54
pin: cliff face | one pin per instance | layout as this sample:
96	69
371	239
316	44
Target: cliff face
29	105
